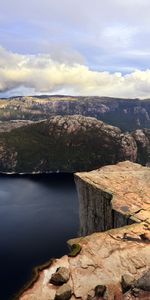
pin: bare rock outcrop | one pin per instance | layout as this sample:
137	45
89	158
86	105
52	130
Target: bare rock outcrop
104	259
142	138
113	196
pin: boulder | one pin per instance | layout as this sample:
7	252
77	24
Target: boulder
144	282
60	277
64	292
127	281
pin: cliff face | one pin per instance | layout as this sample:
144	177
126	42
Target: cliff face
65	144
128	114
142	138
113	196
111	265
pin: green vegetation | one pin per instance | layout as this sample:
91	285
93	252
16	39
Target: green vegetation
56	145
75	250
127	114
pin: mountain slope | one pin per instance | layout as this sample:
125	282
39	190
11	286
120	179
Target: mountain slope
127	114
66	144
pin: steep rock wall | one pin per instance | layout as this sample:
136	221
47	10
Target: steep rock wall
113	196
96	213
142	138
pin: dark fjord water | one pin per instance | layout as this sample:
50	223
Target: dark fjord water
37	216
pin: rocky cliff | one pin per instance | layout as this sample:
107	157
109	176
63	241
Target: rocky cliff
113	196
64	144
142	138
111	265
128	114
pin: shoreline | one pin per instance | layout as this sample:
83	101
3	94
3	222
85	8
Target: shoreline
35	274
11	174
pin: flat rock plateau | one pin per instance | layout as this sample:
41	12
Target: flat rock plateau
113	264
113	196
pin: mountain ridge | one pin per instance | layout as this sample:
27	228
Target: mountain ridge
64	144
69	144
128	114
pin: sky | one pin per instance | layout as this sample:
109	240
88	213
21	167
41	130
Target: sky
75	47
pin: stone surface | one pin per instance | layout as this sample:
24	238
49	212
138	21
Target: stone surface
63	293
100	290
42	289
60	277
127	281
113	196
140	295
105	257
142	138
144	282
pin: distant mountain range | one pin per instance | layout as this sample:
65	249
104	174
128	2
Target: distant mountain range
127	114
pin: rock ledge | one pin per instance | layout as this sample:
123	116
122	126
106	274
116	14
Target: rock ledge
107	257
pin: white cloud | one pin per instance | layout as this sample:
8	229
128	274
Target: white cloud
41	74
104	34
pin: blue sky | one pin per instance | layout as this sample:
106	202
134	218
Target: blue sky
88	47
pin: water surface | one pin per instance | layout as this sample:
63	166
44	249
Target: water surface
38	214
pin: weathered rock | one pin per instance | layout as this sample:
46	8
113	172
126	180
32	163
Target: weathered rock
64	292
141	295
113	196
127	281
105	257
144	282
60	277
135	292
142	138
100	290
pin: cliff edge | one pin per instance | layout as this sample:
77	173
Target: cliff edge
113	196
110	265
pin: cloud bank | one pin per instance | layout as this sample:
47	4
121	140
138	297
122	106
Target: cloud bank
110	35
40	74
